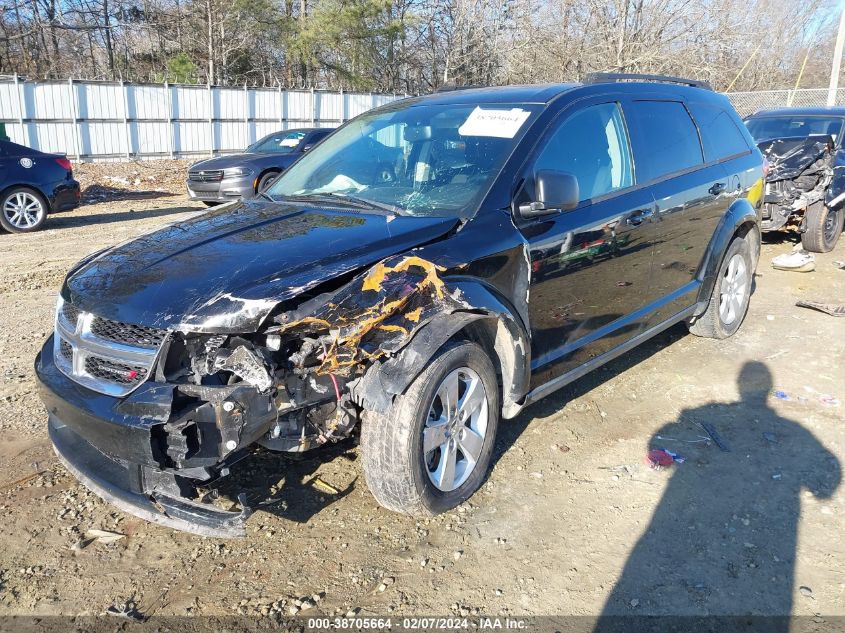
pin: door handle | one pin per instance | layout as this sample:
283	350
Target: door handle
638	217
717	188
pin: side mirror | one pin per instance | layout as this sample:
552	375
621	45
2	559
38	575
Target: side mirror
555	191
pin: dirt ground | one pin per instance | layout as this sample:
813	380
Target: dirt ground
570	522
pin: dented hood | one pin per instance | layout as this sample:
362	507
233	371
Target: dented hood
789	157
225	270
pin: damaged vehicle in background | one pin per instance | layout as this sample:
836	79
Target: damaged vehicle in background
419	302
805	184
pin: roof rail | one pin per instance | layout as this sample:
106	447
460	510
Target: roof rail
450	87
601	78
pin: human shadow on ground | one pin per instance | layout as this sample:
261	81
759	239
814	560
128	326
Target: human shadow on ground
722	541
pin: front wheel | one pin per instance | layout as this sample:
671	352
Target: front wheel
731	294
432	450
266	180
823	227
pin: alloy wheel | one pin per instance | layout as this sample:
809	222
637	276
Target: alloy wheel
830	226
455	428
733	290
23	210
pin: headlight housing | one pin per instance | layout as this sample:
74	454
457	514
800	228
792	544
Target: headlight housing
237	172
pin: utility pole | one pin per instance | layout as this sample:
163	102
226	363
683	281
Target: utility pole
837	61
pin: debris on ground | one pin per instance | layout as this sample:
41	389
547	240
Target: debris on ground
824	398
799	261
127	610
661	458
833	309
96	536
321	485
104	182
839	265
714	435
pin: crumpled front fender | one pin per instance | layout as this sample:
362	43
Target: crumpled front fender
490	319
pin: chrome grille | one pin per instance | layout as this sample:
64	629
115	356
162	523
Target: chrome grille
208	175
110	357
120	373
127	333
70	313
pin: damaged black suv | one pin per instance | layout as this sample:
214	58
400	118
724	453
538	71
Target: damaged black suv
520	237
805	181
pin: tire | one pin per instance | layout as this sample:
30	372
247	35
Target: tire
22	210
399	474
730	296
823	227
266	180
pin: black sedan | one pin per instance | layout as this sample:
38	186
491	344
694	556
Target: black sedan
33	184
241	176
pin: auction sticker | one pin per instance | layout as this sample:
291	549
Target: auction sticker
26	163
496	123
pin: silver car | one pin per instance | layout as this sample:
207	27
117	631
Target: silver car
237	176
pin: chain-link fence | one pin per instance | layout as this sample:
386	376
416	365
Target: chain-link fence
750	102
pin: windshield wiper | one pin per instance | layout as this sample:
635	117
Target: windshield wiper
366	203
266	196
352	201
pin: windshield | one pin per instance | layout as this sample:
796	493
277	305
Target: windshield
771	127
432	160
279	143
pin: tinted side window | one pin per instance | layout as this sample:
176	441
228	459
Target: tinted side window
667	138
719	133
592	145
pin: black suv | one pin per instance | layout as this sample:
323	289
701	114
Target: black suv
521	237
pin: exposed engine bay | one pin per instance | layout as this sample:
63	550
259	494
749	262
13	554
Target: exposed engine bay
300	381
291	386
803	171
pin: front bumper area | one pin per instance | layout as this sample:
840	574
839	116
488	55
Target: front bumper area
225	190
107	443
134	489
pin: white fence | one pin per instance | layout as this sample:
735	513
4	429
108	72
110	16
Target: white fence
115	121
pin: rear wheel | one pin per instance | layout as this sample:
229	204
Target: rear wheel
432	450
730	296
22	210
823	227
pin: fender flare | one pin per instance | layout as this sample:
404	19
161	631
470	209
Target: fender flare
490	316
740	217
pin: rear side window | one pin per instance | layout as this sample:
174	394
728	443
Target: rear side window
666	141
592	145
719	134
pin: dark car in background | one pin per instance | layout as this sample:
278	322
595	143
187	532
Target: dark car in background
242	176
433	266
33	184
805	183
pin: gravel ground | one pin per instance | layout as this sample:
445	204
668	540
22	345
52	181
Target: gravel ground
570	522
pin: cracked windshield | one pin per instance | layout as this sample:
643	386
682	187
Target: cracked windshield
422	160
